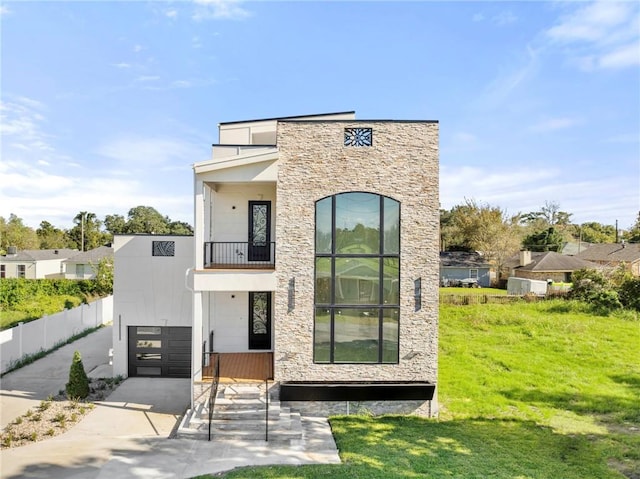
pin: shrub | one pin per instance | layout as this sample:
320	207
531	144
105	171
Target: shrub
630	293
78	385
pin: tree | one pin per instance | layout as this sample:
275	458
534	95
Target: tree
115	224
86	234
549	240
593	232
14	232
633	235
180	228
104	276
78	385
145	219
50	236
549	215
484	228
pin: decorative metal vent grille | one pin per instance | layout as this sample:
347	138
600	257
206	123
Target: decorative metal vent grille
164	248
358	137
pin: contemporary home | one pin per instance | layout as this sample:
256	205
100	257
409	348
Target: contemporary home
34	263
460	268
84	265
614	255
314	265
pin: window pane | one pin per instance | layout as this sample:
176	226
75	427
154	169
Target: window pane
391	281
358	223
356	335
357	280
323	225
148	330
390	335
323	280
149	357
391	226
322	335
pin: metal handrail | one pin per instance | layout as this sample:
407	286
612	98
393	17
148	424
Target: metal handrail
214	390
239	254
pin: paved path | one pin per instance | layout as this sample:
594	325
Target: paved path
126	435
27	386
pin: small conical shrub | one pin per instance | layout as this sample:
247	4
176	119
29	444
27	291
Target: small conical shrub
78	385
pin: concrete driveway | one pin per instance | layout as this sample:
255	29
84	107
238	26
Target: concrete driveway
126	435
140	411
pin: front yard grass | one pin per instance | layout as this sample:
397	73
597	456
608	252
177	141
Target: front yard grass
528	390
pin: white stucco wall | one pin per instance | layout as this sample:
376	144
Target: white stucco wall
148	290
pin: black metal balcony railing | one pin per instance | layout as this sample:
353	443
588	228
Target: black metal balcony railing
239	255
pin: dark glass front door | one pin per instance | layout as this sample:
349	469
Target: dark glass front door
260	320
259	230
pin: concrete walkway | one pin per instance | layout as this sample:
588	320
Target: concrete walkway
126	435
27	386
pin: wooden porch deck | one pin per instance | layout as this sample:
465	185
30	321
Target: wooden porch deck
238	367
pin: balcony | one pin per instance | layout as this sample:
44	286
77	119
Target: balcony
239	255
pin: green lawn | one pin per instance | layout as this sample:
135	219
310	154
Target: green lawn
528	390
35	308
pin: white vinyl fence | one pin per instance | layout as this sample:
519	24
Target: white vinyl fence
49	331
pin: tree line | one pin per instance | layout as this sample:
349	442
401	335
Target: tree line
89	231
473	226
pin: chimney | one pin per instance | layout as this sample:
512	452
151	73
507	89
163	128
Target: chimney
525	257
12	250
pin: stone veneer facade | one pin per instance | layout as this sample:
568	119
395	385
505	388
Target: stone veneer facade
402	163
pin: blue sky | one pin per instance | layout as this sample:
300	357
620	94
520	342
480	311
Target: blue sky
106	105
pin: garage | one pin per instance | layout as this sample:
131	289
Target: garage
156	351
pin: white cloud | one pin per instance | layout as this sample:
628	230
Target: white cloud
601	34
219	10
553	124
138	48
171	13
463	137
181	84
525	189
4	10
147	78
504	18
478	17
624	56
147	152
122	65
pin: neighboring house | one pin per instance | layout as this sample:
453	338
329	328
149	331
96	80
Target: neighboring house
456	266
572	248
615	254
84	265
315	261
549	266
34	263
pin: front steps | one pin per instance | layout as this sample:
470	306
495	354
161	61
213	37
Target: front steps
239	414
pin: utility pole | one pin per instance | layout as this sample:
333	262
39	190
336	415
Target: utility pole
82	232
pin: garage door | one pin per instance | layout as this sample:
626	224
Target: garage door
156	351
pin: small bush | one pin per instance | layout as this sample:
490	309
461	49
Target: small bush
50	432
78	385
44	405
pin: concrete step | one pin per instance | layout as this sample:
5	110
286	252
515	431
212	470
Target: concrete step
241	414
248	431
241	392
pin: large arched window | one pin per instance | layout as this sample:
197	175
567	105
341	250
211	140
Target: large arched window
357	278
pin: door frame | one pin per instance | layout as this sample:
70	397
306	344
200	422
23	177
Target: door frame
260	342
263	252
